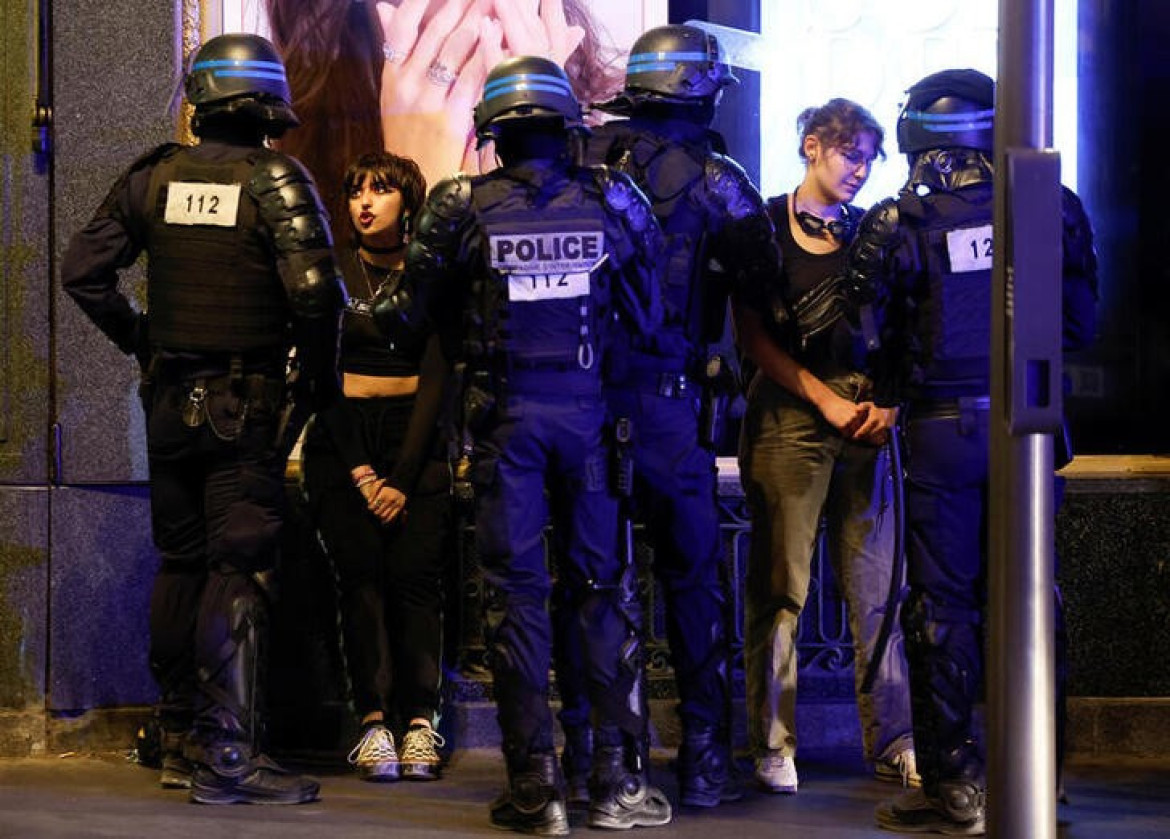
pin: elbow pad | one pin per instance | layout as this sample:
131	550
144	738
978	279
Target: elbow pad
1079	254
314	285
396	314
638	250
747	241
1079	274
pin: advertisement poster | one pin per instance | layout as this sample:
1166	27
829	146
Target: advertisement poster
405	75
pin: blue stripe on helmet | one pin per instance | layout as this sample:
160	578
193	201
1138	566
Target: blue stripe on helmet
248	74
211	64
650	67
974	120
527	81
537	87
638	58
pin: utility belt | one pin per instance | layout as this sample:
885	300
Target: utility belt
269	362
964	409
670	384
224	400
555	382
255	391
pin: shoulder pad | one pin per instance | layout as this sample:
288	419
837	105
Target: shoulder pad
288	202
272	170
731	186
622	196
451	196
153	156
880	223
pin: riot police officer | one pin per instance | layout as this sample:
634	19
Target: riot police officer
922	260
522	271
672	385
239	271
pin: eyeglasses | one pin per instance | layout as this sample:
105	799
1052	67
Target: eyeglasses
841	229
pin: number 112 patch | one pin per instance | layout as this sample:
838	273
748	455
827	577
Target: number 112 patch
195	203
970	249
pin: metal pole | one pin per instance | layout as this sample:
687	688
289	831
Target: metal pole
1025	400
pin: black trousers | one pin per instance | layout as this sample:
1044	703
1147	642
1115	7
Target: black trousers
389	578
217	506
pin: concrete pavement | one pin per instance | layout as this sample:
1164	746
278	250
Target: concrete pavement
105	795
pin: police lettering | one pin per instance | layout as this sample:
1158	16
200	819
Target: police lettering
547	253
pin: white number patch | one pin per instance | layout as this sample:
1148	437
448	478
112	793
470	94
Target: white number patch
970	249
526	288
212	204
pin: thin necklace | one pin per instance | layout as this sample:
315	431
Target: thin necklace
366	274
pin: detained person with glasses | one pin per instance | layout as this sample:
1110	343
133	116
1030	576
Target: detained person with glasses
815	445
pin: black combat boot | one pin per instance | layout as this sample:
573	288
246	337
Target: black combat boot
706	773
957	810
944	653
229	766
226	772
621	797
534	801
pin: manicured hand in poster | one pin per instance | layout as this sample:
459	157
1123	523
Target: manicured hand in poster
438	53
404	76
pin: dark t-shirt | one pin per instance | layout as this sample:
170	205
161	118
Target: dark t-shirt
838	350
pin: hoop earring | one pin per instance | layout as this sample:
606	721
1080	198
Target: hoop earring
407	226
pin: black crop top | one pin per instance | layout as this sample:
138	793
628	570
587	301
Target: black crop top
364	349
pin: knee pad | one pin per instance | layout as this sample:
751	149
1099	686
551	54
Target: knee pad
612	639
229	653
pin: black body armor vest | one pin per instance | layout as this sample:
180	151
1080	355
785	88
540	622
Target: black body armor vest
951	318
541	302
213	284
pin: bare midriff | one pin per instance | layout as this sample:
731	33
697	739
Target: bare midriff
358	386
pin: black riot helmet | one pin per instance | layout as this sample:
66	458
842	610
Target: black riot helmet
674	65
947	110
526	87
240	77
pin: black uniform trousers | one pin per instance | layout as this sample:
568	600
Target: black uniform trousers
217	506
946	550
